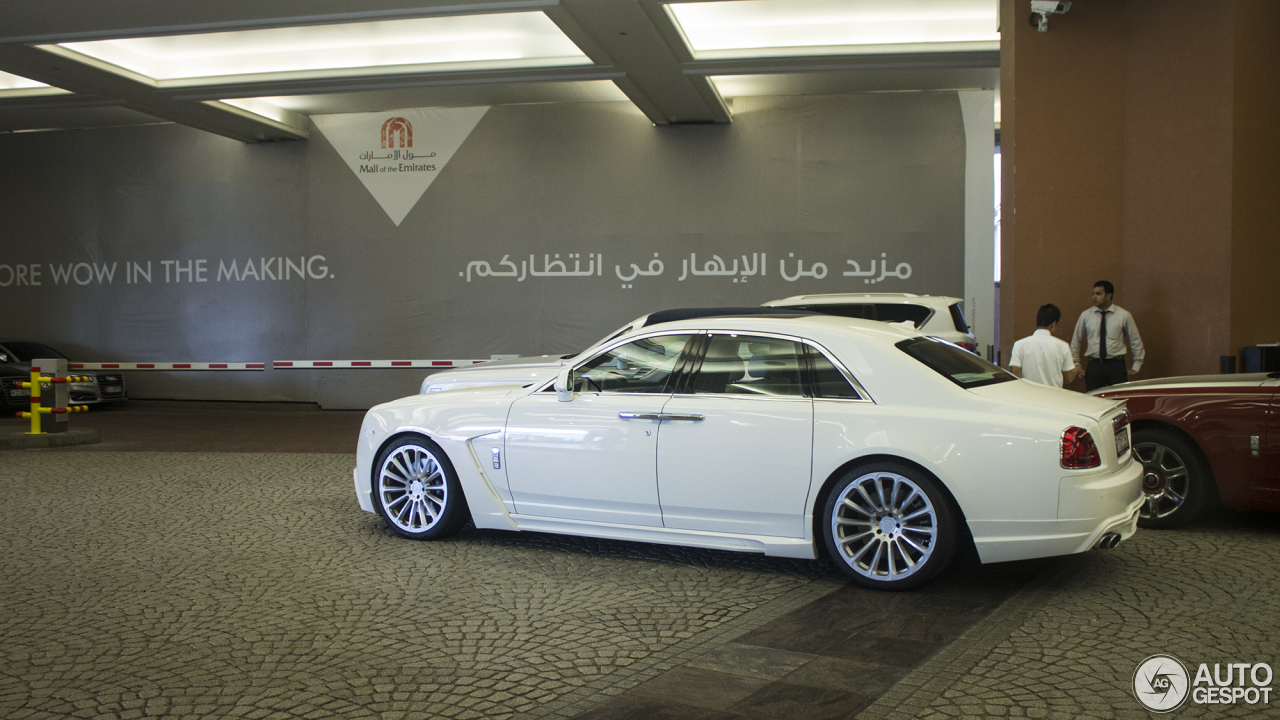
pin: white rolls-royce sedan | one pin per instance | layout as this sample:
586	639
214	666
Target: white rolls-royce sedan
784	435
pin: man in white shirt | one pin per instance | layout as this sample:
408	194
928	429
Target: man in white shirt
1100	335
1043	358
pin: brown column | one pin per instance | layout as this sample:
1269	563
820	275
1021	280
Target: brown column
1062	144
1255	198
1140	145
1177	182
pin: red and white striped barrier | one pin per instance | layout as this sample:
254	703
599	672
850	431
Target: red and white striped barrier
340	364
278	365
169	366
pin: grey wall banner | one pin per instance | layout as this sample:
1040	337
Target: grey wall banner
380	149
549	226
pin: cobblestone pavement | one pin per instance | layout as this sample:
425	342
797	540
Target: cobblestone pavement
1068	645
197	585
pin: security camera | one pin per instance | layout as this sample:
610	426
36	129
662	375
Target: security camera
1042	9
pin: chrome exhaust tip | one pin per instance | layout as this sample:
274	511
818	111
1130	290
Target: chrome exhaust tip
1108	541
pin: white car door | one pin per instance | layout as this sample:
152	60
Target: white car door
735	450
593	458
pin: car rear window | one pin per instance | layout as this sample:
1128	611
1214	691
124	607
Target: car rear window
957	318
915	314
956	364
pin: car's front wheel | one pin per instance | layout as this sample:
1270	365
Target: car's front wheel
1174	479
890	527
416	490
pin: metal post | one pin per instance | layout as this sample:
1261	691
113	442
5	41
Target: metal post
52	395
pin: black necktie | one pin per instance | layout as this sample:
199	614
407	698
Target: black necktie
1102	337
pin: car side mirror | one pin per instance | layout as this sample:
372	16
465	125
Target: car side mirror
563	392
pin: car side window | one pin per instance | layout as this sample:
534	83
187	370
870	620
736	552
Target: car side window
826	379
749	365
640	366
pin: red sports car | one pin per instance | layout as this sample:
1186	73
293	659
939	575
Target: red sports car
1203	435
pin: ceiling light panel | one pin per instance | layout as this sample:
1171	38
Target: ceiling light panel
12	86
17	82
764	28
509	40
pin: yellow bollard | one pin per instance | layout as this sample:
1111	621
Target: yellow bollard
37	410
35	403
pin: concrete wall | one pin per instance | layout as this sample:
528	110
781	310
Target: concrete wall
819	179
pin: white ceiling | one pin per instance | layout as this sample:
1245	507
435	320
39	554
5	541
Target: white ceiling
255	70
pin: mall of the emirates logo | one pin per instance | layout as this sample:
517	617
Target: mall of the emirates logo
398	154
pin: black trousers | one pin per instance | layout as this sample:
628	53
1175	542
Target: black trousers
1103	373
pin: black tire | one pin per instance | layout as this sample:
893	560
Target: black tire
867	538
416	490
1175	478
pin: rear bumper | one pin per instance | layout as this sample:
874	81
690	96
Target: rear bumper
1089	506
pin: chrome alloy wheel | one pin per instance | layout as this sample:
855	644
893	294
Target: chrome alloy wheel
1166	480
411	485
884	526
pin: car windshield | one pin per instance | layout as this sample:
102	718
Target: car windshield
955	363
27	351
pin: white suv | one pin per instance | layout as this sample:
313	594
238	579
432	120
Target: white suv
935	315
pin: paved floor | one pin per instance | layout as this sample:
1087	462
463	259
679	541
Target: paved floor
237	580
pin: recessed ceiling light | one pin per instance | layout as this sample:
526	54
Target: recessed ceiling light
761	28
18	86
508	40
17	82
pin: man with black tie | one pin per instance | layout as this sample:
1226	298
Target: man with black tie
1101	333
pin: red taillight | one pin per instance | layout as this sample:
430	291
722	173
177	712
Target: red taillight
1078	449
971	347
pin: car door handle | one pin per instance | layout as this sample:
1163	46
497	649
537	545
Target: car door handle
658	416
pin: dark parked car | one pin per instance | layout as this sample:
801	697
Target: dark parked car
12	397
1201	436
15	367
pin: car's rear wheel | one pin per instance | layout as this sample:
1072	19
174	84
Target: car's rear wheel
890	527
1174	479
416	490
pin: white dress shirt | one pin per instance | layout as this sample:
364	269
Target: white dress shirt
1120	325
1042	358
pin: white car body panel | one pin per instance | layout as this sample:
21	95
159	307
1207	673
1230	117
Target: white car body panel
761	488
994	448
581	461
938	324
494	372
522	370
